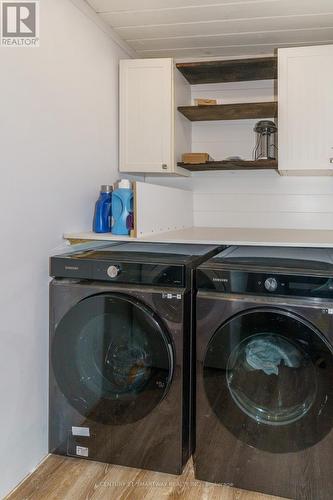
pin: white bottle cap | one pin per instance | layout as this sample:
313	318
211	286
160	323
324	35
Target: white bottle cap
125	184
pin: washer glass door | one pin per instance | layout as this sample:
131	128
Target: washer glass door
268	377
112	358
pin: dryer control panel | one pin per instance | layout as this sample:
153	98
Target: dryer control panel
230	281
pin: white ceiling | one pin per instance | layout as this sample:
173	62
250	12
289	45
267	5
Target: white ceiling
219	28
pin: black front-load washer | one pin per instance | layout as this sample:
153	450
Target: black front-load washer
265	371
120	347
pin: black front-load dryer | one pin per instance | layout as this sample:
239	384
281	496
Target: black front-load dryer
265	371
120	347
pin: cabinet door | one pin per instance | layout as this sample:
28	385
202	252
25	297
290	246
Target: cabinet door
305	82
146	115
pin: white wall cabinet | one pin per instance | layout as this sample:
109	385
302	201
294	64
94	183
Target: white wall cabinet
305	95
153	135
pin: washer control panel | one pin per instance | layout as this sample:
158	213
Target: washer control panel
124	271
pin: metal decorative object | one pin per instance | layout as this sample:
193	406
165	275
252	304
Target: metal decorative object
265	148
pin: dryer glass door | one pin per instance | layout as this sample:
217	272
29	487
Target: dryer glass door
268	377
112	358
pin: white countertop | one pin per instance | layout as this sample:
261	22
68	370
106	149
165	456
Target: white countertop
226	236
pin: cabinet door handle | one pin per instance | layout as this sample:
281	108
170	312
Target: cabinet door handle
331	160
165	166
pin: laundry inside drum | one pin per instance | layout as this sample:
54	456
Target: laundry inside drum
271	379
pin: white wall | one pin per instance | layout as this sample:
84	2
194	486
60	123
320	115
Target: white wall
58	143
263	200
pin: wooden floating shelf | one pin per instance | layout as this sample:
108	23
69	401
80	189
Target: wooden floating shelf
238	70
231	165
241	111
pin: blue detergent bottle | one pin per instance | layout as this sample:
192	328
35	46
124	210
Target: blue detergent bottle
122	208
102	215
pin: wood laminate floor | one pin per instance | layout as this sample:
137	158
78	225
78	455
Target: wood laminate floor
63	478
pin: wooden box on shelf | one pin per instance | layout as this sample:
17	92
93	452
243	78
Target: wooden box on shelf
196	158
205	102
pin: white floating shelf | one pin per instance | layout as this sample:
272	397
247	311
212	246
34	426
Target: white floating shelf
227	236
